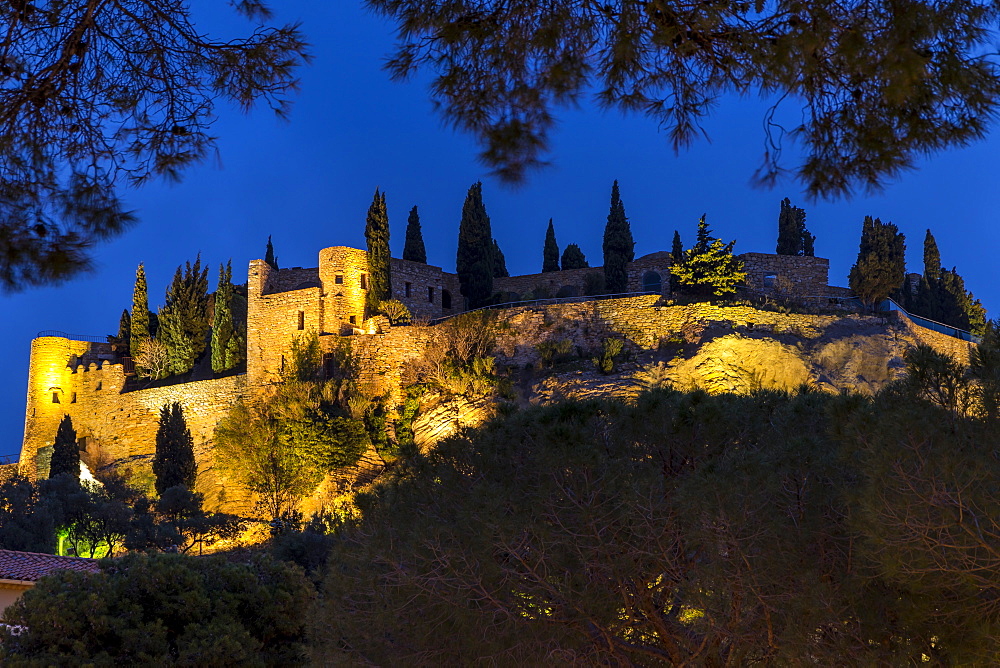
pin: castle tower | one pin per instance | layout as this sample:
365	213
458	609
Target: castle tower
343	273
49	393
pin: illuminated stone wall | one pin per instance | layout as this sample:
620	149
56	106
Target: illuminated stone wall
805	276
656	265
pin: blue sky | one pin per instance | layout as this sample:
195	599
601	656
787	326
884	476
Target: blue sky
308	183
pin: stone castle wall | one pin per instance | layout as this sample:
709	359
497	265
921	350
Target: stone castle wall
802	276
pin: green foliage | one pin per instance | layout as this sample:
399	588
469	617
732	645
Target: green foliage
458	359
619	248
476	257
413	249
269	257
610	350
65	451
552	352
499	262
304	362
164	610
677	248
124	332
24	524
80	120
573	258
396	312
174	462
793	237
184	324
550	252
228	344
593	284
881	264
377	238
941	295
709	268
140	310
177	522
984	368
502	70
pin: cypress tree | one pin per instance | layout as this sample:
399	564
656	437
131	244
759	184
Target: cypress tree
573	258
124	332
377	238
413	249
677	249
808	240
499	262
269	254
183	319
550	252
619	248
140	310
174	463
477	250
226	348
65	452
932	258
881	265
793	237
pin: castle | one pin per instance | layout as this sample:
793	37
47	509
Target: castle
116	420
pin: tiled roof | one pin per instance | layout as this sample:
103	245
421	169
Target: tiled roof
33	565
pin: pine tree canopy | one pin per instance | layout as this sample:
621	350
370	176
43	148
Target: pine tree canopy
414	250
550	252
476	257
269	254
140	310
619	248
941	294
709	268
174	462
854	73
184	324
65	451
499	262
881	265
377	238
573	258
100	95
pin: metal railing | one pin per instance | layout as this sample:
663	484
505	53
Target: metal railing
74	337
890	305
545	302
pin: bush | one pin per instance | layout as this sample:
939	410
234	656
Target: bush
163	609
553	352
396	312
610	349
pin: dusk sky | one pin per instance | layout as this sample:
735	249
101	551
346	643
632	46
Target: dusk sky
308	183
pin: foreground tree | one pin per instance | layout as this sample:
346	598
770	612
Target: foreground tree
174	462
619	248
500	70
140	310
881	264
499	262
550	252
414	250
99	94
709	268
377	239
227	343
183	320
130	613
65	451
475	261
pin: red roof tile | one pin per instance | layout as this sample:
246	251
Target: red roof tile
33	565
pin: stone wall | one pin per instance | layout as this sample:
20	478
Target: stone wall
426	290
798	276
548	284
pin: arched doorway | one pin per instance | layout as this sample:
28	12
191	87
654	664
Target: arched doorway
651	282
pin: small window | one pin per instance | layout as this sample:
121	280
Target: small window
55	397
769	280
408	286
81	443
302	320
445	299
354	319
430	295
338	279
73	398
364	281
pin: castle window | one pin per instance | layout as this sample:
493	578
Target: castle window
73	398
769	280
81	443
445	299
408	287
302	320
364	281
430	295
55	397
338	279
354	319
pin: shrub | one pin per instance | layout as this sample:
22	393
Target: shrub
610	349
396	311
552	352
